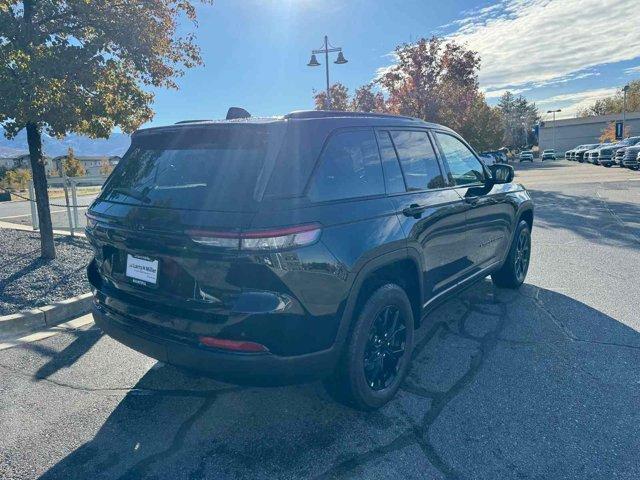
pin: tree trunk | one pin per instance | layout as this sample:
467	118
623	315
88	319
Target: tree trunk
34	140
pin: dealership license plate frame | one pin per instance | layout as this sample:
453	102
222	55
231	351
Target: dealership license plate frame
148	279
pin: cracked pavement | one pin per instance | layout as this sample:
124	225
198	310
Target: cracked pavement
537	383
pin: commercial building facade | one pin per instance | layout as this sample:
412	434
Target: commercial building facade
570	132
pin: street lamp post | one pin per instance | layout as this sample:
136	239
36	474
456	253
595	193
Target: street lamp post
326	50
554	127
625	89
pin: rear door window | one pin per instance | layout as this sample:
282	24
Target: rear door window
418	160
349	166
464	167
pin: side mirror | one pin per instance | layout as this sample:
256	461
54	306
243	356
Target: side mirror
501	173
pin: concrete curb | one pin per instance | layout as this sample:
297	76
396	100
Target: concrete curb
47	316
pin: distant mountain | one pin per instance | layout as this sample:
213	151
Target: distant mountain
116	144
10	152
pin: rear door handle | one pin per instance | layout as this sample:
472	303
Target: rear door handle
414	210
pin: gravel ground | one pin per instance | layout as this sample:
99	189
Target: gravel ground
27	281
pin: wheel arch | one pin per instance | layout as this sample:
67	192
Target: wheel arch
401	267
526	214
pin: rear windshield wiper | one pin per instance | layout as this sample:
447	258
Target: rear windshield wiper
131	193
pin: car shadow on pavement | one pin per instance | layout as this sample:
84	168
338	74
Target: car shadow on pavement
504	384
597	219
68	356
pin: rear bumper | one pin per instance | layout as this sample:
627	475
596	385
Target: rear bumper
263	369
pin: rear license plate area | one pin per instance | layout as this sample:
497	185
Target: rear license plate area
141	270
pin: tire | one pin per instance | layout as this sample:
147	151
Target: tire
515	267
608	165
370	387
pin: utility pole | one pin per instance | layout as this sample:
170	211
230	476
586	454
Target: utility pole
326	50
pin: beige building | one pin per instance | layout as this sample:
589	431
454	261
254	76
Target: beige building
570	132
23	161
93	166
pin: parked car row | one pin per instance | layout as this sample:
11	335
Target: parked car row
625	153
526	156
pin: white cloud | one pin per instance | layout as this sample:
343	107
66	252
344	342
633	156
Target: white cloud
572	102
632	70
537	42
501	91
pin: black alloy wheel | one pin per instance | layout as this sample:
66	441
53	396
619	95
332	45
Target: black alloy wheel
385	347
376	357
513	271
523	254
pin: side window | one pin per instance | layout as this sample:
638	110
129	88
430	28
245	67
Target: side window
390	165
418	160
349	167
464	167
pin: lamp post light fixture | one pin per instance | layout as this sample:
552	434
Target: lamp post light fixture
326	50
554	127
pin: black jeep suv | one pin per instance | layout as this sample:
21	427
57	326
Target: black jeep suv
271	251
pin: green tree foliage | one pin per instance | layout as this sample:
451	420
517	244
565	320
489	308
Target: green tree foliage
82	66
608	133
365	100
339	98
105	168
72	166
15	179
433	80
438	82
483	128
614	104
518	117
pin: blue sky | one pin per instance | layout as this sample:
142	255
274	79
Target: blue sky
559	53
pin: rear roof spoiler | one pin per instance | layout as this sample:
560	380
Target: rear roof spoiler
237	112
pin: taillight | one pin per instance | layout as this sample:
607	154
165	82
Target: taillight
298	236
215	239
91	220
273	239
237	346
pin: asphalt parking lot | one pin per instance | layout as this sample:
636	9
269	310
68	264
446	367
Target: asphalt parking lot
543	382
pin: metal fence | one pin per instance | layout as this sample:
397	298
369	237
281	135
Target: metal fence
71	217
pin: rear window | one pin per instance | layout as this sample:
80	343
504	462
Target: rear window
198	168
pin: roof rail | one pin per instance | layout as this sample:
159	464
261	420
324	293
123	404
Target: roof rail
193	121
301	114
